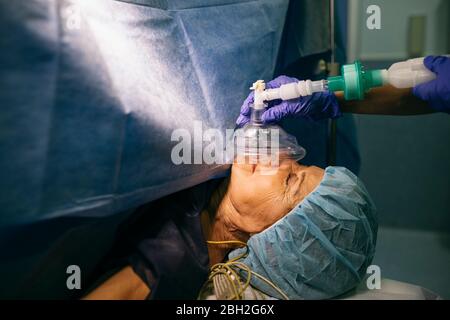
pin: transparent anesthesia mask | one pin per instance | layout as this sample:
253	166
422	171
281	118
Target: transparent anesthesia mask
261	143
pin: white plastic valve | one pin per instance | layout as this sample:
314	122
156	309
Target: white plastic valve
286	92
258	87
407	74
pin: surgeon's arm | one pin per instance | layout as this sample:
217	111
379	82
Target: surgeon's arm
386	100
124	285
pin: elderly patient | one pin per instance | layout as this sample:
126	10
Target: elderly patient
310	232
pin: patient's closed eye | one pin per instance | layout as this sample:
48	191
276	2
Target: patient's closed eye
291	179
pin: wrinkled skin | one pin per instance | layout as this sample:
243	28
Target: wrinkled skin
261	196
255	198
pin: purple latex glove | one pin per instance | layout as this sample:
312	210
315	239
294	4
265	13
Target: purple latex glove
318	106
436	92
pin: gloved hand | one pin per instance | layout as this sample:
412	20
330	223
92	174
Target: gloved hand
436	92
318	106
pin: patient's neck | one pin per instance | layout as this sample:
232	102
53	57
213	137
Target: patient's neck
217	225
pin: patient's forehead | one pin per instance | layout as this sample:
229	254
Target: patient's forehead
285	164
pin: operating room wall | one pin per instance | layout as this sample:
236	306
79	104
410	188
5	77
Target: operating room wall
394	40
406	167
405	161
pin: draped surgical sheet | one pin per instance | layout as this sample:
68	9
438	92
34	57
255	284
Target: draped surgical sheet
99	86
90	93
91	90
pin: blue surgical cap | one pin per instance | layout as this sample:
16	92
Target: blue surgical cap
321	248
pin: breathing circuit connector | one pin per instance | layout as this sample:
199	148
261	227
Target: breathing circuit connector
287	91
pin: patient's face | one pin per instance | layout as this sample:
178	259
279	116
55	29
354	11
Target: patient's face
262	199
